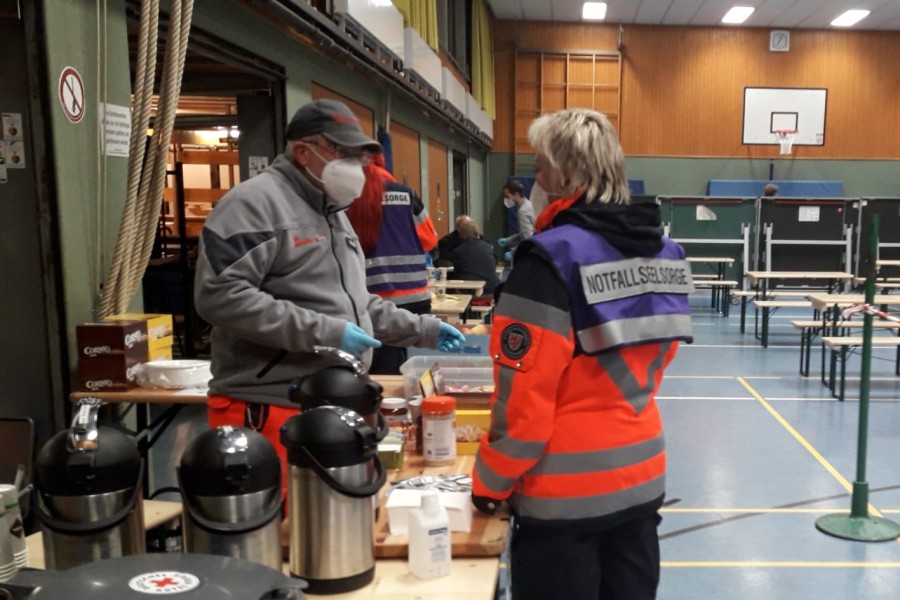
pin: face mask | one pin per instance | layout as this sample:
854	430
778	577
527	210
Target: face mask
539	199
508	203
343	180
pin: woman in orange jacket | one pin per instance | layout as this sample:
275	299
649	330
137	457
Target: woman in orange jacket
589	319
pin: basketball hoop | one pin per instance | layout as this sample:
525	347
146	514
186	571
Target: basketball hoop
785	139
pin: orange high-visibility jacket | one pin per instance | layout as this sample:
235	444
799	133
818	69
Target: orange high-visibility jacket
573	436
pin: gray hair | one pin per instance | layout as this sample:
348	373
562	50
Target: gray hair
581	145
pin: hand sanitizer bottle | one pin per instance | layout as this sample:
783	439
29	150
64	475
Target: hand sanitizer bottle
429	538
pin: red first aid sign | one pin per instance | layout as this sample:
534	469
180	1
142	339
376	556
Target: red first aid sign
71	94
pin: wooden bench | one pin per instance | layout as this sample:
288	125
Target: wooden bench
840	347
770	306
719	292
809	329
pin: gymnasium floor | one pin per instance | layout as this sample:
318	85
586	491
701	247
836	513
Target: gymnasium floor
756	454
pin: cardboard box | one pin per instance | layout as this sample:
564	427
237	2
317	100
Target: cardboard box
164	353
400	502
471	426
109	352
160	328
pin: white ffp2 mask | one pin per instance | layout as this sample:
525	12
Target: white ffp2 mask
343	180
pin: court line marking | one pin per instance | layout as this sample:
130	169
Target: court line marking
809	447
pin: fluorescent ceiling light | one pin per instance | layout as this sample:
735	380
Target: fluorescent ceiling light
382	3
851	17
593	11
738	14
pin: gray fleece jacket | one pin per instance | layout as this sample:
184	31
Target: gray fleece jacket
278	270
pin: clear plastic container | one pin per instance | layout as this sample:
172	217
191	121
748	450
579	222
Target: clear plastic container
464	370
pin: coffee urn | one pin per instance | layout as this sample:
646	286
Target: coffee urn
230	481
88	485
334	473
344	383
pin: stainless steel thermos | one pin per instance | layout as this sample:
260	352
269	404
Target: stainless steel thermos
230	481
343	383
334	473
88	484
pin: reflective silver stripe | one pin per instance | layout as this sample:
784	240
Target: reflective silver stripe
634	331
500	438
396	278
637	395
384	261
420	218
585	507
491	479
574	463
534	313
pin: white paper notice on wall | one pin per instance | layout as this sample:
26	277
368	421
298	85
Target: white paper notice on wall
704	213
257	164
12	127
13	155
116	123
808	214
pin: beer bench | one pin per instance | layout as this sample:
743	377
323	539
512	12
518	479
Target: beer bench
770	306
840	347
719	289
810	329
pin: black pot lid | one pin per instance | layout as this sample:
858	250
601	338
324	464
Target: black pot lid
183	576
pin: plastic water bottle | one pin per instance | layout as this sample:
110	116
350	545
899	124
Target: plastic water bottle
429	538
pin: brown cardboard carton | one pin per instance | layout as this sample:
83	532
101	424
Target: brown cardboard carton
160	328
108	353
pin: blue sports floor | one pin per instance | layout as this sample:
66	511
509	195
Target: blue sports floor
757	453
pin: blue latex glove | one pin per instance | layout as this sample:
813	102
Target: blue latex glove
507	256
503	242
356	341
428	262
449	338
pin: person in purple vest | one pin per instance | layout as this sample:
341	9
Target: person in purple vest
588	321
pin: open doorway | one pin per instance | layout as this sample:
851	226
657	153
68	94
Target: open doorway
460	184
229	125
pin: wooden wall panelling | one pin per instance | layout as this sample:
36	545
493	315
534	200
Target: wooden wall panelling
407	158
682	87
365	114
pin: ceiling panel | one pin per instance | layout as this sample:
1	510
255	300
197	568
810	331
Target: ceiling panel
783	14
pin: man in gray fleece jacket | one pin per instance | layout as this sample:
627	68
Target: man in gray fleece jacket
280	271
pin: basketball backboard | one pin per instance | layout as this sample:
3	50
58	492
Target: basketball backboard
767	110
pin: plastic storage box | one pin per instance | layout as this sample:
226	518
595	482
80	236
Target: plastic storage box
457	373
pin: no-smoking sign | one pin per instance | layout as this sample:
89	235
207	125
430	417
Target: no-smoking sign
71	94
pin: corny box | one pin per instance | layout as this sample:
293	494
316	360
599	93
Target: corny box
160	328
471	425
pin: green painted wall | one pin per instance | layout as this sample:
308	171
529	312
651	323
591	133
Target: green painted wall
91	187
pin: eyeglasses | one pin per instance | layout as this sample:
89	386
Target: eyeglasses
363	156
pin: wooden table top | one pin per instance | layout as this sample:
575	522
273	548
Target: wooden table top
822	301
839	275
711	259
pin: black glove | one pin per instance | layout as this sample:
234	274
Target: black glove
486	505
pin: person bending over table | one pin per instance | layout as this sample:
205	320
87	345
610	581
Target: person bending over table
280	271
590	317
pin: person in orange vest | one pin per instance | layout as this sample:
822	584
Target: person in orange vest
592	314
396	235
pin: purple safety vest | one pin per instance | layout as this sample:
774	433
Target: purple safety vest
619	301
398	261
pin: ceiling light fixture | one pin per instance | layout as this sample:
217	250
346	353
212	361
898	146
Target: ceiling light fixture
738	14
850	18
593	11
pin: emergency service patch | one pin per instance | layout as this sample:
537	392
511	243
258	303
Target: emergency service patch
515	341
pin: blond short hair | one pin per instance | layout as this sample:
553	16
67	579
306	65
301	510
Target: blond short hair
582	146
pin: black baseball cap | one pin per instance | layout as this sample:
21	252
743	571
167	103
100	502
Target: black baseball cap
332	119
